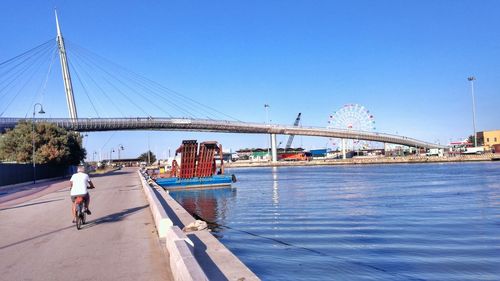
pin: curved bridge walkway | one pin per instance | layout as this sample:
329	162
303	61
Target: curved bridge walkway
207	125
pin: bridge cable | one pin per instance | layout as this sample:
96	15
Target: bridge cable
21	63
43	88
151	82
125	96
97	57
120	81
144	89
26	52
32	68
83	87
106	142
148	87
111	102
24	64
29	107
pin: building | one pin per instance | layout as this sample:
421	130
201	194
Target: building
318	153
488	138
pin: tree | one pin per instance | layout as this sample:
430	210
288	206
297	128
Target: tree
480	140
471	139
144	157
54	145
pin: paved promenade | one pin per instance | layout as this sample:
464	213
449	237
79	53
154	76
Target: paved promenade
39	242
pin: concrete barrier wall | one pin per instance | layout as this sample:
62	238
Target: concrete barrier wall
183	264
162	221
182	258
218	262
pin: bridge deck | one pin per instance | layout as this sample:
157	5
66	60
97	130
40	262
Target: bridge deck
221	126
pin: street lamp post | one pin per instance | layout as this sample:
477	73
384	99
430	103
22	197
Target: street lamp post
111	156
85	139
471	80
33	137
120	147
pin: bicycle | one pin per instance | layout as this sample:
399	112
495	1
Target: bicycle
80	212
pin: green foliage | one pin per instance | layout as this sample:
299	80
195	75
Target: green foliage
54	145
144	157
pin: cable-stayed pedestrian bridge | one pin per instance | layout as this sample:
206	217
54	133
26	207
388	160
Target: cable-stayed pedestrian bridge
218	126
106	88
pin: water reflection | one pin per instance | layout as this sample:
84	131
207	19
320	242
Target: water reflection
210	205
276	196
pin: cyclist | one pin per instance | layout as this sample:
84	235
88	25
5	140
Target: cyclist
79	183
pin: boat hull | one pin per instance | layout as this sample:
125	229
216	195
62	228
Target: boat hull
216	181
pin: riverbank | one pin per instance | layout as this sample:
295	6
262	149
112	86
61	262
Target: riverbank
366	160
194	254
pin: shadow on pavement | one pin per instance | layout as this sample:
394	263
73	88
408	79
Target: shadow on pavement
115	217
108	174
36	237
107	219
31	204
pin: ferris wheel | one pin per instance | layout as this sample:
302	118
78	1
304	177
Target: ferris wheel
352	117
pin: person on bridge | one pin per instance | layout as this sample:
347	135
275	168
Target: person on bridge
80	182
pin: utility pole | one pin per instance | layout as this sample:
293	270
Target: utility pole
471	80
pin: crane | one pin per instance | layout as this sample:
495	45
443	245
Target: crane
290	138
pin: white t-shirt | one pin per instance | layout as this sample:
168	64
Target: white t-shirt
80	183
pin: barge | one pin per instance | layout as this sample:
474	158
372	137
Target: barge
197	168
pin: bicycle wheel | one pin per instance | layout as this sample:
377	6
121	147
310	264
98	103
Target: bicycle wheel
78	221
84	217
79	214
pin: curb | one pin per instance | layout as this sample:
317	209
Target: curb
183	264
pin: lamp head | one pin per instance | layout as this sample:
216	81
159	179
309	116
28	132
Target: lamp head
471	78
41	109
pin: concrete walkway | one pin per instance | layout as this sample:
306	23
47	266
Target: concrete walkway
39	242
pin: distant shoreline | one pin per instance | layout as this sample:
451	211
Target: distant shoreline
366	161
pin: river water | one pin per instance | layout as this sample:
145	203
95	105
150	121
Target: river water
370	222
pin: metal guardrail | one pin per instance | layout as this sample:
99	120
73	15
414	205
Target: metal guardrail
208	125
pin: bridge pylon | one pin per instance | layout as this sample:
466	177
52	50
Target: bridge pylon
68	86
274	149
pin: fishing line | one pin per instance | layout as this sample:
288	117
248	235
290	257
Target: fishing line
358	263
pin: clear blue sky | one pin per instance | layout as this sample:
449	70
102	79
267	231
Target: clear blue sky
406	61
